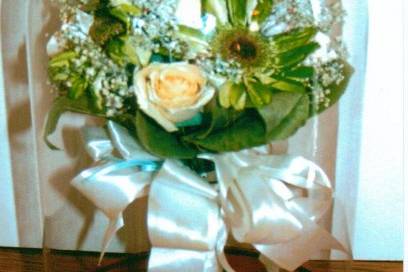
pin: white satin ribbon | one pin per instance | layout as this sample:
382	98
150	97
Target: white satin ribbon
114	183
185	224
272	202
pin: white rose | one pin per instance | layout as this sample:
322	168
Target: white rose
171	93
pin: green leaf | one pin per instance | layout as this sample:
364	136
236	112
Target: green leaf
282	105
79	86
94	5
247	131
127	8
219	116
62	59
194	37
105	28
262	11
336	90
292	122
237	11
299	73
287	85
123	50
218	8
259	93
293	39
160	142
60	106
238	96
124	12
295	56
225	94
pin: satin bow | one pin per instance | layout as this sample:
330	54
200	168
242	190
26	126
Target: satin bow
272	202
114	182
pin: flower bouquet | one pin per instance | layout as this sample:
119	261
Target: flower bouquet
192	94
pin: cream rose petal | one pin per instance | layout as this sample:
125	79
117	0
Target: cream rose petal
171	93
149	108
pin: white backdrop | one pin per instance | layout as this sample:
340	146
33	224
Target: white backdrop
370	141
8	220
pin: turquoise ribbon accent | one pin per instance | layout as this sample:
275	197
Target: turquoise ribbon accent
144	166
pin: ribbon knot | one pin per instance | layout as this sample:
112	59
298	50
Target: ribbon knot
271	202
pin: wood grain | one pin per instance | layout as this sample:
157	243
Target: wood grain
34	260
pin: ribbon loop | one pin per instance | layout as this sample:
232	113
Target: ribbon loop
114	183
272	202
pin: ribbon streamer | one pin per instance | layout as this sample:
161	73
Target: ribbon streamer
272	202
115	182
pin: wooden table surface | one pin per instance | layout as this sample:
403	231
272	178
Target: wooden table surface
34	260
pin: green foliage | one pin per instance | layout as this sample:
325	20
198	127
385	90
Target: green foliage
336	90
196	40
272	101
262	11
105	28
159	142
233	95
218	8
237	11
295	38
292	122
260	94
281	106
247	131
60	71
296	56
123	50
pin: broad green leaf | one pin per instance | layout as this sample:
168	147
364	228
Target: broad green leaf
160	142
282	105
237	11
60	106
292	122
215	118
337	90
218	8
247	131
220	117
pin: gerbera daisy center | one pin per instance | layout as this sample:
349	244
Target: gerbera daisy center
243	48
